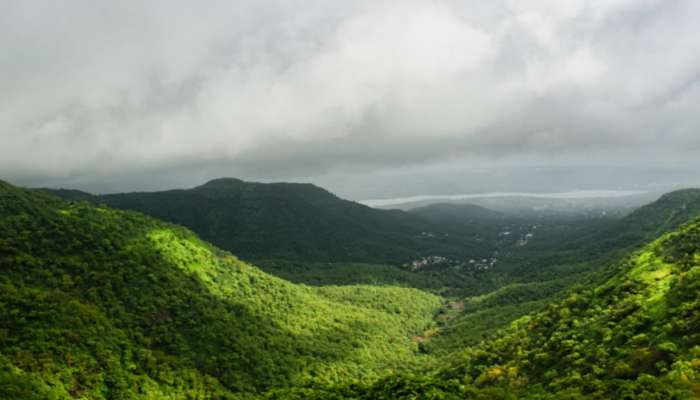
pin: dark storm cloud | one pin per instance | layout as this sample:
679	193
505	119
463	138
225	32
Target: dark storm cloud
130	90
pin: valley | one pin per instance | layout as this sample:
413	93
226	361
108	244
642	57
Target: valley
154	295
349	200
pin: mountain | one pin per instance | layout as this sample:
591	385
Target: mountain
666	214
642	225
618	235
106	304
305	234
635	336
290	221
637	333
558	258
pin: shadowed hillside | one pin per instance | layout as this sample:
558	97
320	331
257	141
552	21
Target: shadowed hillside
289	221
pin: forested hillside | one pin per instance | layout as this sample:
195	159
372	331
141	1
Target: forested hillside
562	254
97	303
108	304
636	336
306	234
648	222
292	221
350	200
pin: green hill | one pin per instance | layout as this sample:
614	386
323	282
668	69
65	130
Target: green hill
561	257
108	304
305	234
638	332
290	221
646	223
636	336
105	304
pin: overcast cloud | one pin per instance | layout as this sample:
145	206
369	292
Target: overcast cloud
97	90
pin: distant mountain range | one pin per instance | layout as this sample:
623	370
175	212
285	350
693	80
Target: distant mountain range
414	201
302	222
294	222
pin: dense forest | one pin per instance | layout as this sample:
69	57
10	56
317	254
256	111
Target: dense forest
636	336
529	261
99	303
350	200
297	222
305	234
106	303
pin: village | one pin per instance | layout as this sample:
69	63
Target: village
482	264
474	264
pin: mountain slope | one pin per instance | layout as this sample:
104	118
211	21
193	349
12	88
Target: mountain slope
99	303
557	260
285	221
636	336
644	224
284	226
638	332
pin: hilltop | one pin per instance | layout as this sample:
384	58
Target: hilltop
289	221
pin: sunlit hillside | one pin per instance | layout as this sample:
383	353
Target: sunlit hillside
99	303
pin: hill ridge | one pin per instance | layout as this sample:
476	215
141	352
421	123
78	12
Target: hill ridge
291	221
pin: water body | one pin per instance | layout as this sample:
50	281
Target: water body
576	194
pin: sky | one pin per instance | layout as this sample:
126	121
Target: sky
369	98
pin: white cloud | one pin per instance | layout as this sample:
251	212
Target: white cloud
96	89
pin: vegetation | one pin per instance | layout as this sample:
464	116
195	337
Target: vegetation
323	274
294	222
304	234
637	336
107	304
562	255
98	303
634	335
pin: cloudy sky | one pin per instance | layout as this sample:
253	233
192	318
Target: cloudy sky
122	95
